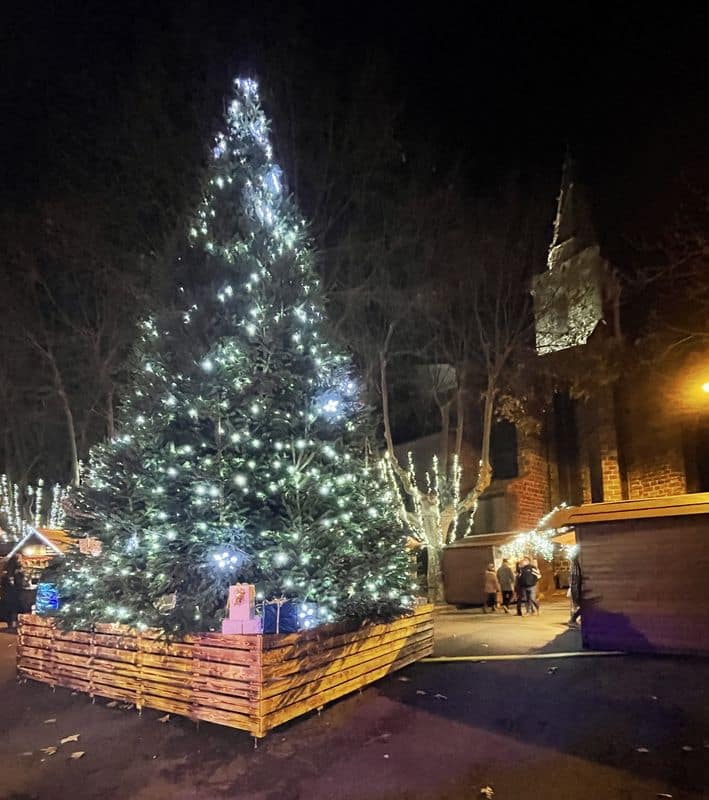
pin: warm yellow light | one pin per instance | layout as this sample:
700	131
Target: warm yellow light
705	387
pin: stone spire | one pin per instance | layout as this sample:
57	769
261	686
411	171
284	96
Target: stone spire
573	228
571	295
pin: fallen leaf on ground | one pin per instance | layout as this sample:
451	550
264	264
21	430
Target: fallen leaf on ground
112	704
641	750
164	719
73	694
404	679
487	792
49	721
383	737
552	670
440	697
420	691
687	748
50	751
73	738
654	697
26	753
77	754
664	795
386	755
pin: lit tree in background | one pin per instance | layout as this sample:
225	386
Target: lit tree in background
241	447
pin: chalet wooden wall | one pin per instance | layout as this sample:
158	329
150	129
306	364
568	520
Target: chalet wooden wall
464	568
253	683
646	584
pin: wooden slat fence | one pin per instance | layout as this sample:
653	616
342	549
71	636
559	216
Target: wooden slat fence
253	683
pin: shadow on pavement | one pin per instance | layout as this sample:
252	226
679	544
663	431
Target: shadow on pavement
597	709
568	641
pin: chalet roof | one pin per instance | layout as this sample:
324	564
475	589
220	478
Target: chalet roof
487	539
674	506
56	540
57	536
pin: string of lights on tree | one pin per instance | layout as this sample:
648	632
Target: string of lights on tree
446	493
24	509
241	447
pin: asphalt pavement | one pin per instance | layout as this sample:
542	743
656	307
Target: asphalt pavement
623	727
469	632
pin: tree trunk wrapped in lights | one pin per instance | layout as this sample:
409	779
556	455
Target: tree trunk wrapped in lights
432	515
22	508
239	453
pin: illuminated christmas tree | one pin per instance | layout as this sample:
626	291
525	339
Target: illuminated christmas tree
241	452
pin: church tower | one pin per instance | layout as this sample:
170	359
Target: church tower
571	296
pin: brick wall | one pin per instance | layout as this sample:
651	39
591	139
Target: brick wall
586	427
628	445
631	443
608	445
652	445
659	473
528	496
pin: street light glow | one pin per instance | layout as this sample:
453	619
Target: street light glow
705	387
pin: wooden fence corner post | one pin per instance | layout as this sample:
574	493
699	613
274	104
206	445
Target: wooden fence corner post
260	730
194	673
52	655
139	671
92	655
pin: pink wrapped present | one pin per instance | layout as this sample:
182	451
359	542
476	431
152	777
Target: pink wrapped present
251	625
237	626
242	597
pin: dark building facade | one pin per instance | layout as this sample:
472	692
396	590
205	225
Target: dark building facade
631	432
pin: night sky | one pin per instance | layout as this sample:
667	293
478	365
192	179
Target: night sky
502	85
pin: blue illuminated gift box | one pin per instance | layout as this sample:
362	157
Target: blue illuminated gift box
288	616
280	616
47	598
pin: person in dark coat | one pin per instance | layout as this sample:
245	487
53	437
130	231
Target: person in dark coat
507	584
528	578
10	586
575	590
519	589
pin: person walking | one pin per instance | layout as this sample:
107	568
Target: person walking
519	589
506	578
492	587
10	587
575	590
529	577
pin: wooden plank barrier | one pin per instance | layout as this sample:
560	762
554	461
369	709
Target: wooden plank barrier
252	683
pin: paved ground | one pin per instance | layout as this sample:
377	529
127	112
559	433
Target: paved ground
572	733
469	632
